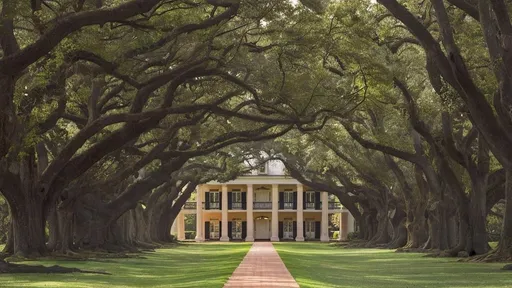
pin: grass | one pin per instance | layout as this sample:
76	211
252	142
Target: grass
323	265
186	265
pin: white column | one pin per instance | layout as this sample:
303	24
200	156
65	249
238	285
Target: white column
224	227
275	211
174	227
300	213
350	223
250	216
181	226
340	233
324	236
199	214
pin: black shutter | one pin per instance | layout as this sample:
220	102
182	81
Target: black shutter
281	200
244	200
230	201
294	229
294	200
304	227
230	228
207	201
220	200
281	228
304	200
220	228
207	230
317	200
244	230
317	230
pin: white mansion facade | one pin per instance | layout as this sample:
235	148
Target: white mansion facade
265	205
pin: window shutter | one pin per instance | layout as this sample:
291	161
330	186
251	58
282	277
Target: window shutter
294	229
304	227
220	200
230	229
244	230
281	228
281	200
220	228
304	198
230	201
317	200
207	230
317	230
244	201
295	200
207	200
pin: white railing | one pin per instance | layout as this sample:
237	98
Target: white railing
236	205
262	205
214	205
288	205
310	205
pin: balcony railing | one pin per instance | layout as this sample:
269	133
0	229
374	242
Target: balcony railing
190	205
262	205
288	205
310	206
334	205
214	205
236	205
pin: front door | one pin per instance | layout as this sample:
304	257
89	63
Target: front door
214	229
310	229
236	230
262	229
288	229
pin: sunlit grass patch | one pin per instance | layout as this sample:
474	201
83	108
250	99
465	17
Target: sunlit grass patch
315	264
186	265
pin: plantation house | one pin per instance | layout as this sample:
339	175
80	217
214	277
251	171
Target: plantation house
264	205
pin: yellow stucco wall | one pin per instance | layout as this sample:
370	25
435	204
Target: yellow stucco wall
316	216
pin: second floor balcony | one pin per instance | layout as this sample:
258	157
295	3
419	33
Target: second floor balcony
262	205
309	206
237	205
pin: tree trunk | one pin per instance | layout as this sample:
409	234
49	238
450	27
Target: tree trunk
505	246
28	226
477	219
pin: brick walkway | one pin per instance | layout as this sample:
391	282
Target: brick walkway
261	267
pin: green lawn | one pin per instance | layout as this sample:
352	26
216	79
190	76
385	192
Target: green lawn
187	265
323	265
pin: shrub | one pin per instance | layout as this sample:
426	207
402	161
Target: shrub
336	235
190	234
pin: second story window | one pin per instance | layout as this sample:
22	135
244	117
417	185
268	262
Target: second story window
310	200
236	196
288	197
214	200
288	200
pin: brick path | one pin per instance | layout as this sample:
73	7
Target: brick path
262	267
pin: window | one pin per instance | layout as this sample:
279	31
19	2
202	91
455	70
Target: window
236	199
236	196
288	229
214	197
310	229
214	200
214	229
236	230
288	200
310	200
262	169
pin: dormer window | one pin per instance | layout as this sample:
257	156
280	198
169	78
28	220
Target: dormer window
262	169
